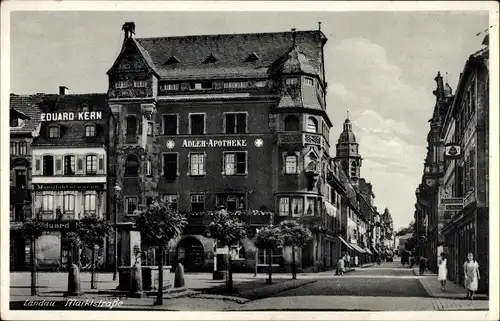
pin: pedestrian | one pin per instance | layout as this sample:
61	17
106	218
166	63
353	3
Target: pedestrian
422	264
442	271
341	266
471	272
348	260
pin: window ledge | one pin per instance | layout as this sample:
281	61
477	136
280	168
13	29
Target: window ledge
242	174
199	175
265	264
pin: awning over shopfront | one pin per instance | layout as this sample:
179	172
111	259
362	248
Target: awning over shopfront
357	248
368	251
346	244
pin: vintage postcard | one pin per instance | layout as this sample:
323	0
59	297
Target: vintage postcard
249	160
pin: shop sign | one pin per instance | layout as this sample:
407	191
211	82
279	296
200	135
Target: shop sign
84	115
453	207
67	187
59	225
215	143
452	201
452	151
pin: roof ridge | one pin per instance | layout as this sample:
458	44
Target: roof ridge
226	34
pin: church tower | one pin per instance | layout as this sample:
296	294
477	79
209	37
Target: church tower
347	153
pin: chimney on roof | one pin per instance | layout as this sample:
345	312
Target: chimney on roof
129	29
294	35
63	90
319	25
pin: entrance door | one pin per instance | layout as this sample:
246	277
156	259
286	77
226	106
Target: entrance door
191	254
21	180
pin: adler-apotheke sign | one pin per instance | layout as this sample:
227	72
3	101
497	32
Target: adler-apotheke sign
84	115
214	143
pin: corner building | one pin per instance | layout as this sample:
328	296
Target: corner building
237	120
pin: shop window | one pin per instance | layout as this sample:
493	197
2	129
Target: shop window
196	164
89	203
237	252
91	165
131	205
131	166
69	165
284	206
197	203
170	166
291	123
48	165
235	123
231	202
171	200
197	124
170	125
291	164
235	163
276	256
312	125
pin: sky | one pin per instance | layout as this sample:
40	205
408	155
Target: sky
380	66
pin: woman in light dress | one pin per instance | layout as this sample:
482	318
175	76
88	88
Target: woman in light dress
442	271
471	271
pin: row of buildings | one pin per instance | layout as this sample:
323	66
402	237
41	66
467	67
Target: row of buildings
451	212
239	122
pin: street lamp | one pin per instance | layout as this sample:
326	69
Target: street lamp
117	190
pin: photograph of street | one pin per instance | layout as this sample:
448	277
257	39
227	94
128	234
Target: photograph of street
250	160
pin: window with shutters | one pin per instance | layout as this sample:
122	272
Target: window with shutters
79	164
69	165
196	164
197	124
170	124
235	163
101	163
58	164
235	123
197	203
170	166
48	165
37	165
69	203
91	165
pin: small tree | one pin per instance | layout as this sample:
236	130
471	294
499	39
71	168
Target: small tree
31	231
228	230
295	235
268	239
92	230
158	224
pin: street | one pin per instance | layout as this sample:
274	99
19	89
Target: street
388	287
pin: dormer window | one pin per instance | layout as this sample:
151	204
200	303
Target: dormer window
121	84
169	87
236	84
308	81
210	59
139	83
85	108
54	132
90	131
171	60
252	57
14	122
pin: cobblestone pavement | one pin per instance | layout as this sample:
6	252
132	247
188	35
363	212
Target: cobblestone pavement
387	287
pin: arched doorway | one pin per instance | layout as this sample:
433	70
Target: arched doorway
191	254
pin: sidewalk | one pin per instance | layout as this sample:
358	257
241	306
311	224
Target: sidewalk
433	287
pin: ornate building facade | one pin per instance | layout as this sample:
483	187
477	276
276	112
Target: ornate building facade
238	122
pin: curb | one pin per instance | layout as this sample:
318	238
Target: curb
220	297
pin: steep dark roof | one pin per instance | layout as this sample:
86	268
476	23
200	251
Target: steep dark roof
231	52
27	105
73	132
